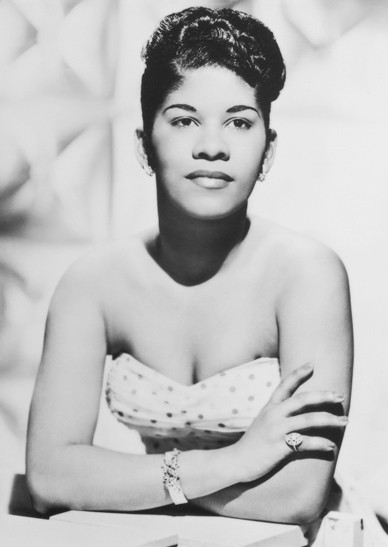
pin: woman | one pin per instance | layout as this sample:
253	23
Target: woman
204	316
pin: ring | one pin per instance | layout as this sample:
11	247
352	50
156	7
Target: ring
293	440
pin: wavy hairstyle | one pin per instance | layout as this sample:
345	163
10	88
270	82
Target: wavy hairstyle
198	37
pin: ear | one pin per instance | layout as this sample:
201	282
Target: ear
141	153
269	156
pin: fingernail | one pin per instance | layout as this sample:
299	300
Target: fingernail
338	396
331	445
343	419
307	366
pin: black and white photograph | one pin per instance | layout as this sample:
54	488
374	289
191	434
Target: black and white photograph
193	273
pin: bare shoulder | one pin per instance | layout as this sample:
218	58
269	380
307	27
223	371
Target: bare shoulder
297	258
102	267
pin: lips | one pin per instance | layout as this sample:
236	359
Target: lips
210	180
216	175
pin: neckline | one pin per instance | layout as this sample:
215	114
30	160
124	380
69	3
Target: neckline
153	372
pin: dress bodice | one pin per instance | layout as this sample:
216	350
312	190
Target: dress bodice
211	413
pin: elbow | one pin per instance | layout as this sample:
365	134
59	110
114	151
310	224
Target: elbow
305	516
308	498
45	492
307	509
50	485
37	490
40	492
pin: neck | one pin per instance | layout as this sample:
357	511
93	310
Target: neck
191	250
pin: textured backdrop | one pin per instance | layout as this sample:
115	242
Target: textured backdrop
69	104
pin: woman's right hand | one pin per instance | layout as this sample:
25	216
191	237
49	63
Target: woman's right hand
263	445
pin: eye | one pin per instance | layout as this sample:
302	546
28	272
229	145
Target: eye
240	123
183	122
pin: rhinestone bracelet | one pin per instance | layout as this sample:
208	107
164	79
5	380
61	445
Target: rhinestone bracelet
171	480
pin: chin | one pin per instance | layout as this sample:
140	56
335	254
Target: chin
207	212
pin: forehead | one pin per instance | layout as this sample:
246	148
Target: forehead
212	86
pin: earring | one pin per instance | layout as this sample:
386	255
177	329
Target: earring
261	177
147	169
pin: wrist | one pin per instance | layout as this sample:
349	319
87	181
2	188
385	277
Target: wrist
247	467
232	464
204	472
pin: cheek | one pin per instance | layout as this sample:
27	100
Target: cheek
251	156
161	153
171	153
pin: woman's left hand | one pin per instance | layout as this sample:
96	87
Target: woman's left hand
263	446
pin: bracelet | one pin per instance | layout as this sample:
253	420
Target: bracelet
171	480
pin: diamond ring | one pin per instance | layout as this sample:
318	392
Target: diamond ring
293	440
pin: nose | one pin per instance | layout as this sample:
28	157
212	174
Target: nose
211	145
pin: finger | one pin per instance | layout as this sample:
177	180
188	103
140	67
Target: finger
291	382
309	420
308	399
313	444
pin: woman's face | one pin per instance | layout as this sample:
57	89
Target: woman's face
208	143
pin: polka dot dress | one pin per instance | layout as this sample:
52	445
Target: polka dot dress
208	414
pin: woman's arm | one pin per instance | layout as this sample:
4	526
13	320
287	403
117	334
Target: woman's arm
63	468
314	321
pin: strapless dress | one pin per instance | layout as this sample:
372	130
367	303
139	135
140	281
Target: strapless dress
209	414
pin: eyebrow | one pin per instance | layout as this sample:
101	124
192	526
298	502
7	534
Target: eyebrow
231	110
181	106
240	108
